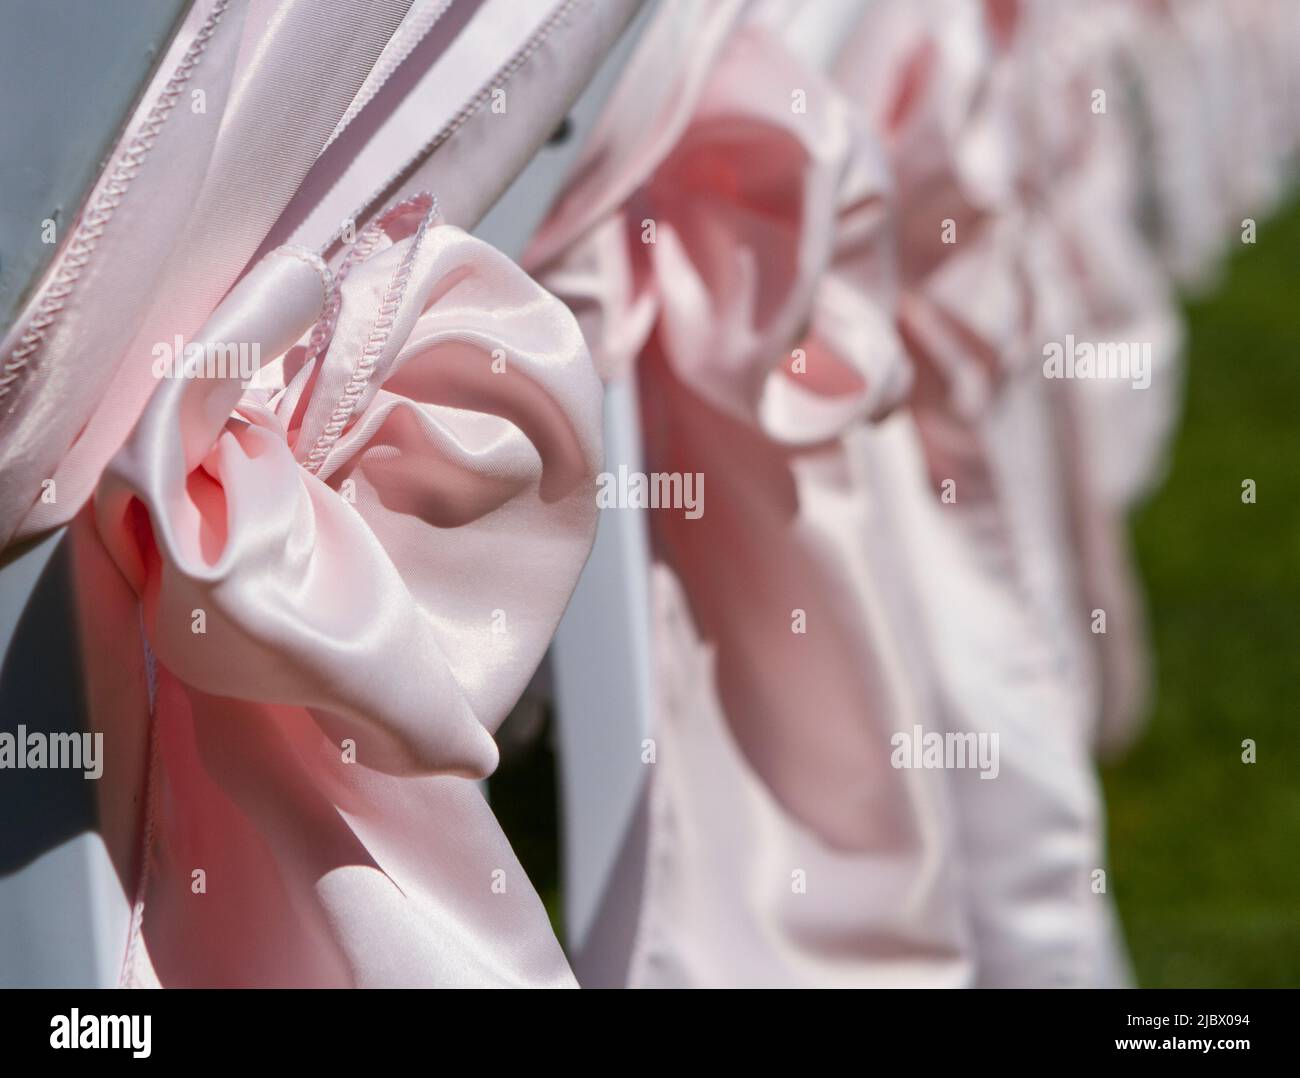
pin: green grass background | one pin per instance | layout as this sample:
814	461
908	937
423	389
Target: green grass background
1205	849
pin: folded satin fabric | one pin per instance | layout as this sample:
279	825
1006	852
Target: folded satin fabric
307	602
347	574
742	272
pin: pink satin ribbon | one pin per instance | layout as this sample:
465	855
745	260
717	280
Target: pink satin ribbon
360	558
759	325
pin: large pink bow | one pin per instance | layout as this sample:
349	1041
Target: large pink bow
348	571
